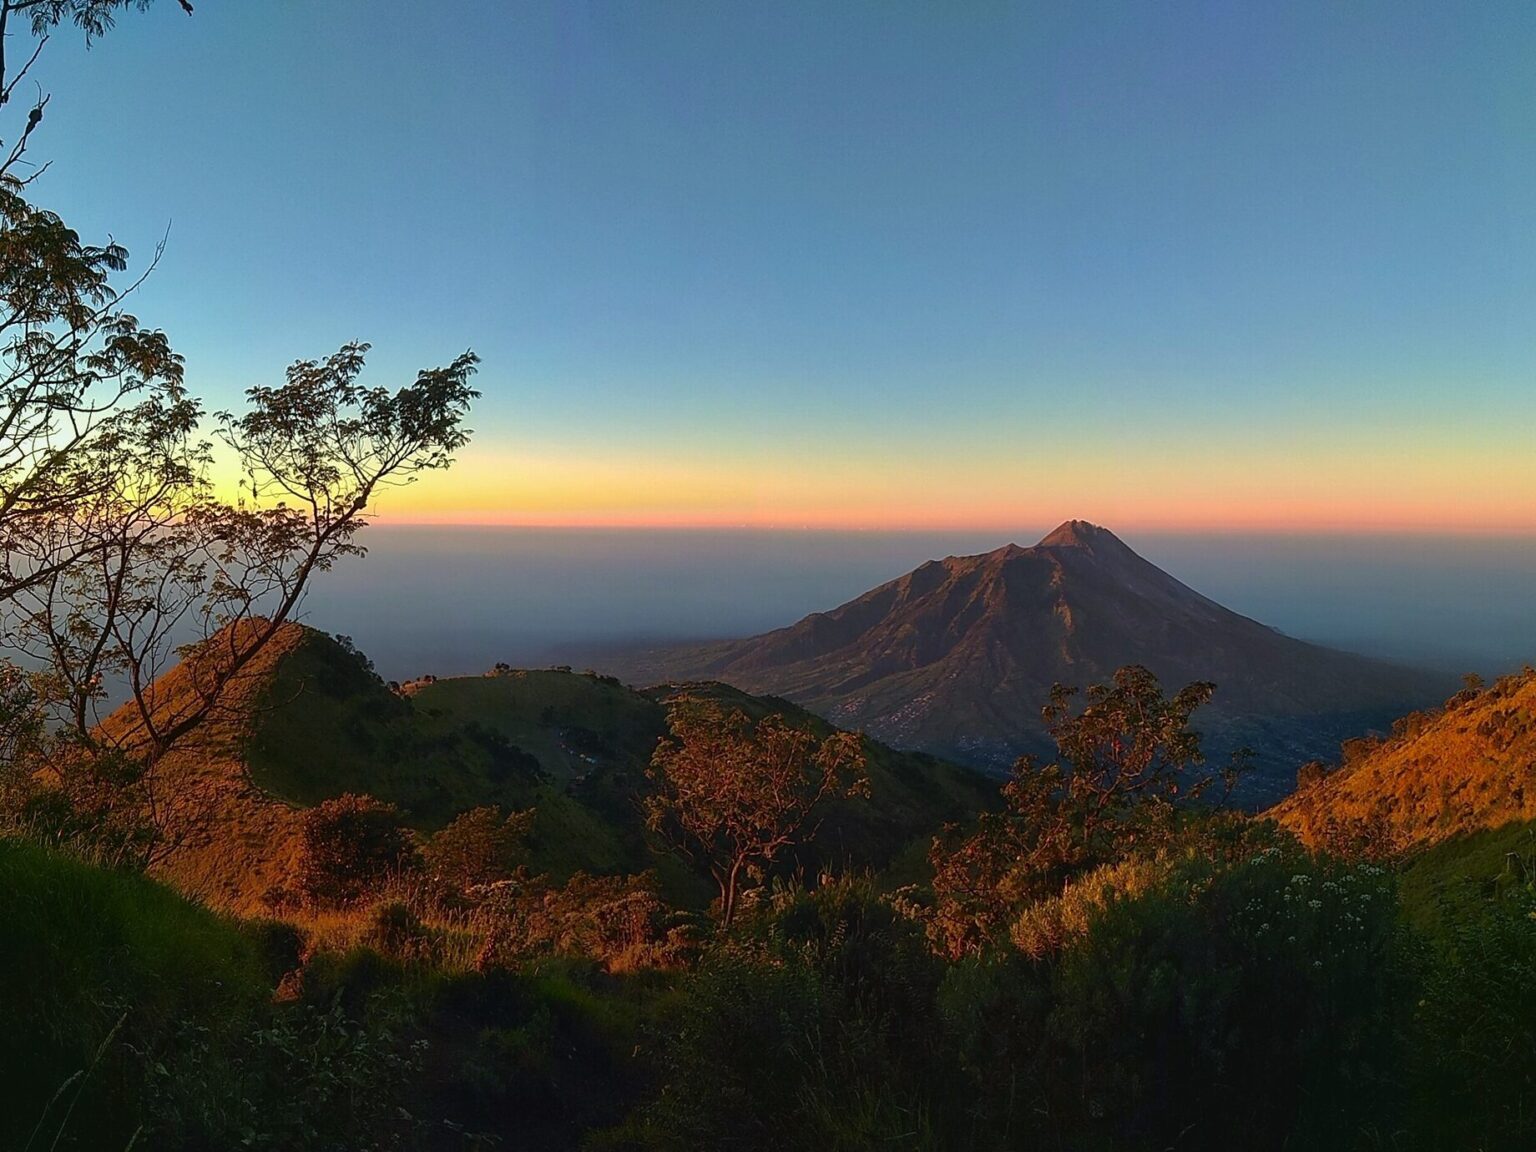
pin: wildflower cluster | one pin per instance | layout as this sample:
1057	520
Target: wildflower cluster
1326	915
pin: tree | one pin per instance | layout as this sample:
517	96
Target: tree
1124	760
80	379
731	796
119	554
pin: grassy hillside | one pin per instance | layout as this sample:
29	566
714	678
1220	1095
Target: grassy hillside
574	745
84	951
326	725
1451	772
600	736
572	723
1459	876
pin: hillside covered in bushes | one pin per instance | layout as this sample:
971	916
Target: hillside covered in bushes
498	922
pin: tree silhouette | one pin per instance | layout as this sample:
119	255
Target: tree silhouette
119	554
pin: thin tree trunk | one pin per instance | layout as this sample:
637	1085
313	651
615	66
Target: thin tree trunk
728	901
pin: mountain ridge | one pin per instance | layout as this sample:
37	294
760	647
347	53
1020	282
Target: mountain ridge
1448	772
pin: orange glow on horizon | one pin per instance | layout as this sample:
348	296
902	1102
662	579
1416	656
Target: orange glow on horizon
1321	521
1380	489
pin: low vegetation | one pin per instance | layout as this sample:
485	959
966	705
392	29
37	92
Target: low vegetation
1096	960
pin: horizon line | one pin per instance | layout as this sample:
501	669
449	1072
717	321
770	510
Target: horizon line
1332	528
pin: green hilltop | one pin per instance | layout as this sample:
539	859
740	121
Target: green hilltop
573	745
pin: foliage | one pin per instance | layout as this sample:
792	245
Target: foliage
1054	922
617	921
814	1028
480	846
119	555
733	796
350	847
1124	762
1259	1001
1311	773
1475	1031
309	1079
1473	901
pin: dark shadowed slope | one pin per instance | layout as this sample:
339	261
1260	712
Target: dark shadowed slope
958	656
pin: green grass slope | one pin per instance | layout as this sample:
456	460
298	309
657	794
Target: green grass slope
82	950
574	745
573	723
599	735
1460	877
327	725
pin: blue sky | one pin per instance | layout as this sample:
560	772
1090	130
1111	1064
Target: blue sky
1227	264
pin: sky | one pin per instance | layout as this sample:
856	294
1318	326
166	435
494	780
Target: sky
1174	266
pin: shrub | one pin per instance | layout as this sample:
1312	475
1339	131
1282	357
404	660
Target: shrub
1311	773
1475	1030
618	921
395	930
309	1079
1261	999
349	846
480	846
813	1026
1048	925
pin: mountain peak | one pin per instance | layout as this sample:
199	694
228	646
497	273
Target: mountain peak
956	656
1078	534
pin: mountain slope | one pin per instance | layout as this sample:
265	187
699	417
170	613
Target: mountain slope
1463	769
228	841
308	720
958	656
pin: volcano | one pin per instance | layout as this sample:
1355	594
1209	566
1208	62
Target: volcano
958	656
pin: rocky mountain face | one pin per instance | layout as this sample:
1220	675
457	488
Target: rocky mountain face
957	657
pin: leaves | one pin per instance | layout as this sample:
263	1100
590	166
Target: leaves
1124	761
732	797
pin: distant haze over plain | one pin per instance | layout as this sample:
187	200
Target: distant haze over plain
454	600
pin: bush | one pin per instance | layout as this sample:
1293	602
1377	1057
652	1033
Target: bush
617	921
1475	1031
350	846
480	846
1311	773
395	930
1262	1002
1047	926
308	1079
813	1027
